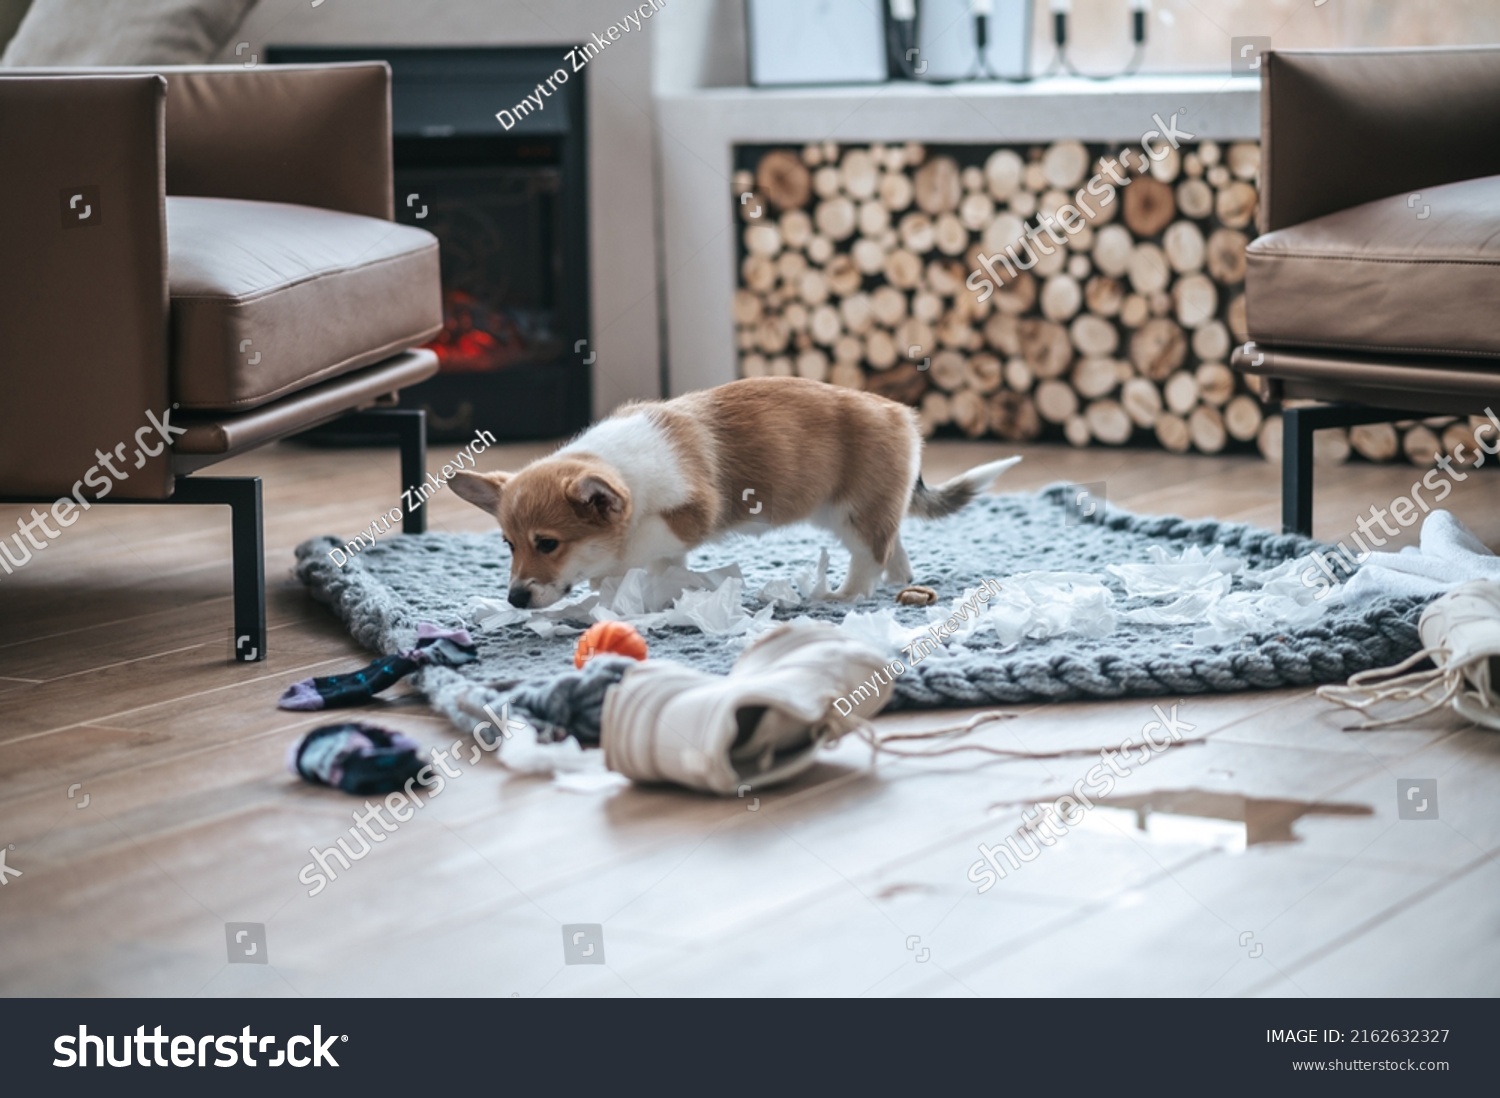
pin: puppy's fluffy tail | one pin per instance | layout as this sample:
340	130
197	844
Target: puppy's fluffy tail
955	494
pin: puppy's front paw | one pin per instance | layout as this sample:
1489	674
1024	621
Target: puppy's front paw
848	593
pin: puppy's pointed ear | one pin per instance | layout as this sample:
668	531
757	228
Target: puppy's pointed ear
598	497
483	490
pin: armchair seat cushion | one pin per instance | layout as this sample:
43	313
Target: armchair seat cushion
1400	275
269	298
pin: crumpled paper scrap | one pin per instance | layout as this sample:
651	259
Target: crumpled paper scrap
1041	605
523	751
649	598
588	782
1027	606
644	591
1200	587
1281	600
572	767
1195	587
809	584
1166	576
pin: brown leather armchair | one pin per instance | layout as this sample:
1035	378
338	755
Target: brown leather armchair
207	254
1373	288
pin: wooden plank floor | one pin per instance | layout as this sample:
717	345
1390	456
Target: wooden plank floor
116	687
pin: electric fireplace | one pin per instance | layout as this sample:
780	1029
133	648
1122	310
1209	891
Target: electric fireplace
509	209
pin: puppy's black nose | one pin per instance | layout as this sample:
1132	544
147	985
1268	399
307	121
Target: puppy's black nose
520	596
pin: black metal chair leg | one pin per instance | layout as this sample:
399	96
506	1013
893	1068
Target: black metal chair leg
1297	426
409	426
247	524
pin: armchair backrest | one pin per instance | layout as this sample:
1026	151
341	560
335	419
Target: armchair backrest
1341	128
310	135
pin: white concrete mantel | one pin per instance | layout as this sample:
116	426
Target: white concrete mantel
698	130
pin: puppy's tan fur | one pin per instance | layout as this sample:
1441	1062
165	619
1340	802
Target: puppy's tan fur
655	480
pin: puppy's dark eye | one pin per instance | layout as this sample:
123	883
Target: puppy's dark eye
546	545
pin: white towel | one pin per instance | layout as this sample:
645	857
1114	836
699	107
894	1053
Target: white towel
1450	554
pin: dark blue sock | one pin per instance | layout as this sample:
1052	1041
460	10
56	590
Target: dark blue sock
357	758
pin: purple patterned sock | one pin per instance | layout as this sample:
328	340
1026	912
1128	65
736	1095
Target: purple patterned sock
444	647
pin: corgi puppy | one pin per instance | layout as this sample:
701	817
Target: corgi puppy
657	479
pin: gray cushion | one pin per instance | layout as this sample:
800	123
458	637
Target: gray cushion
124	32
269	298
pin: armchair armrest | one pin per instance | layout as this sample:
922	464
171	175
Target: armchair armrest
1342	128
83	285
311	135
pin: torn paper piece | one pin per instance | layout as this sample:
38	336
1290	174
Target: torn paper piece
546	628
487	613
1031	606
648	598
809	584
879	629
1167	576
1189	608
1256	612
651	590
1038	605
588	781
522	751
718	613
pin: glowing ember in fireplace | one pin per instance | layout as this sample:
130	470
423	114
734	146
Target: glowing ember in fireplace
475	337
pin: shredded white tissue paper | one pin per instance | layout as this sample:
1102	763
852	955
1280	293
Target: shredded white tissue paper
587	782
1167	576
649	598
878	628
810	584
1201	585
1190	608
1028	606
643	591
1039	605
521	751
1281	601
1192	588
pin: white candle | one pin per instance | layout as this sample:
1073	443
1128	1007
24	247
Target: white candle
981	7
903	11
1061	7
1140	5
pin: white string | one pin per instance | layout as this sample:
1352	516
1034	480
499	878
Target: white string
879	743
1366	690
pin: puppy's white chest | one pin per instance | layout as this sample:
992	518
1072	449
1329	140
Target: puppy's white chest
651	540
636	446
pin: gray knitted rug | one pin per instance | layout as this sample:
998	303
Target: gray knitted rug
383	593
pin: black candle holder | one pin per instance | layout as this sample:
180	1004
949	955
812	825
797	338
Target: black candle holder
902	39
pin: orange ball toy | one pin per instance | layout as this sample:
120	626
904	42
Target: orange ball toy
614	637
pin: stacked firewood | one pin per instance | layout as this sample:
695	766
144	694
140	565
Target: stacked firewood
1419	441
861	266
